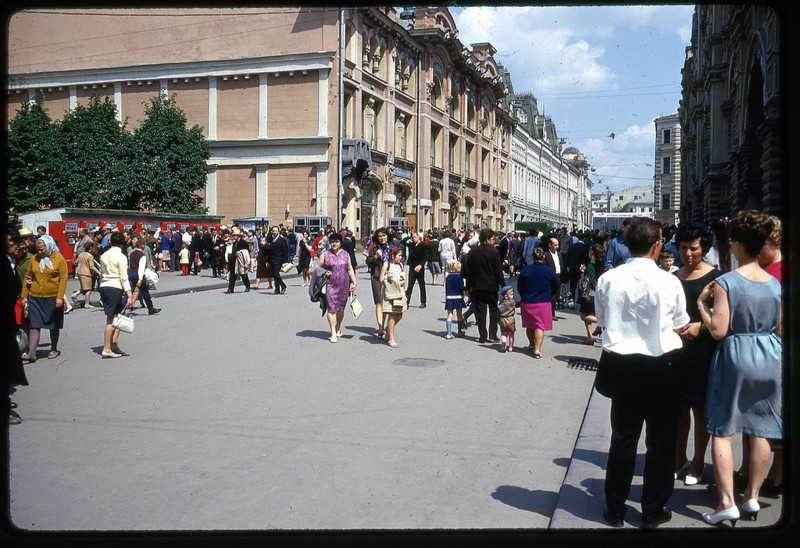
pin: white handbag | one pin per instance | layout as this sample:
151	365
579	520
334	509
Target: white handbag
286	267
150	278
123	322
355	307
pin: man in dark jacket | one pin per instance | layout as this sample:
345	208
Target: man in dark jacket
484	275
577	255
417	256
195	248
278	255
175	246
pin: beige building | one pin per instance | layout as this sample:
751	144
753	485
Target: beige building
270	86
667	178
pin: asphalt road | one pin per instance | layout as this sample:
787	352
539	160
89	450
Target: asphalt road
235	412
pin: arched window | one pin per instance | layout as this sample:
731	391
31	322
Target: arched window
437	97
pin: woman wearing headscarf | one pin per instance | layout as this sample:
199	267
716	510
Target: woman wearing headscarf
43	292
536	286
114	282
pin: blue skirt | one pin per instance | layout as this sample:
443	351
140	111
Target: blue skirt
43	313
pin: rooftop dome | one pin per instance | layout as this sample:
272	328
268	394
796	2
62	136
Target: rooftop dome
571	150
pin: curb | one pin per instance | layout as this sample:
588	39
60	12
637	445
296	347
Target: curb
584	481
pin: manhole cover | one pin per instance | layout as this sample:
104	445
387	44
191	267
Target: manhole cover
419	362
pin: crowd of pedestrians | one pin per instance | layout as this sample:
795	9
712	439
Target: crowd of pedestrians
688	318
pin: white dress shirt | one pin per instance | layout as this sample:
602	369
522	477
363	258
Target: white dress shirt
556	261
640	305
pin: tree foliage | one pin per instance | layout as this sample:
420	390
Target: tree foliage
89	159
29	142
172	156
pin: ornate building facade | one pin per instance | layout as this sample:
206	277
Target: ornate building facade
278	93
731	117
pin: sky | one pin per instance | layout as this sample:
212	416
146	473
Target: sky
595	71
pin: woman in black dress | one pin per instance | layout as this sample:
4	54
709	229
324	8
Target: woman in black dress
304	261
263	268
698	347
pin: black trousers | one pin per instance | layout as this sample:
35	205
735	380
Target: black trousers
412	278
280	285
232	275
192	263
646	395
485	300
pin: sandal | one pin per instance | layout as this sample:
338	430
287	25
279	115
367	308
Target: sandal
537	355
28	358
53	354
392	344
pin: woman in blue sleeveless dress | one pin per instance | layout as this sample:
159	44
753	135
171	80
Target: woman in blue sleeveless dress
742	310
341	282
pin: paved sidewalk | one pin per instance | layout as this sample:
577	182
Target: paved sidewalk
478	421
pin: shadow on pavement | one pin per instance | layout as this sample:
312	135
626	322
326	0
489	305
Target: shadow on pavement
541	502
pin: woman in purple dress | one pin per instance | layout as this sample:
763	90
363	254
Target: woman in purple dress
341	282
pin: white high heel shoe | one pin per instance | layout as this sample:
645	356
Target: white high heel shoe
717	518
749	509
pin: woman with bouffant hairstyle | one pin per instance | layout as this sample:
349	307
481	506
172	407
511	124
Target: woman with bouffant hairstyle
742	310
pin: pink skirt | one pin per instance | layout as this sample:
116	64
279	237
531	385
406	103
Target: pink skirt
537	316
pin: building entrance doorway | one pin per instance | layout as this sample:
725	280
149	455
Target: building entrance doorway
369	208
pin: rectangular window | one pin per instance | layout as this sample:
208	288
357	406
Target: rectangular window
667	134
665	165
453	154
436	146
665	201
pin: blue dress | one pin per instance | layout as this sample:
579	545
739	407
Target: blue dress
744	382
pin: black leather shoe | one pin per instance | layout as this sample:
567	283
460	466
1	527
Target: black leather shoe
614	519
154	311
228	292
422	305
652	522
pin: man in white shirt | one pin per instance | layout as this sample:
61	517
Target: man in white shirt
552	258
642	309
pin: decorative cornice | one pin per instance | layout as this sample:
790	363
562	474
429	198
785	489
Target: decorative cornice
250	65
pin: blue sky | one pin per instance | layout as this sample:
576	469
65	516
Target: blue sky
595	71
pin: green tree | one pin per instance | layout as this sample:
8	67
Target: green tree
92	159
171	158
30	144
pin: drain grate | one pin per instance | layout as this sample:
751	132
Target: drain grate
587	364
419	362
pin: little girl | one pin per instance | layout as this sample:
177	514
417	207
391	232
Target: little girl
393	280
454	291
184	255
506	310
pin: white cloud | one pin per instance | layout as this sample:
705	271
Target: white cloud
549	50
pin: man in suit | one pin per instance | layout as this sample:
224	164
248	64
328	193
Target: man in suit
484	275
577	255
278	255
175	246
642	309
552	258
195	248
